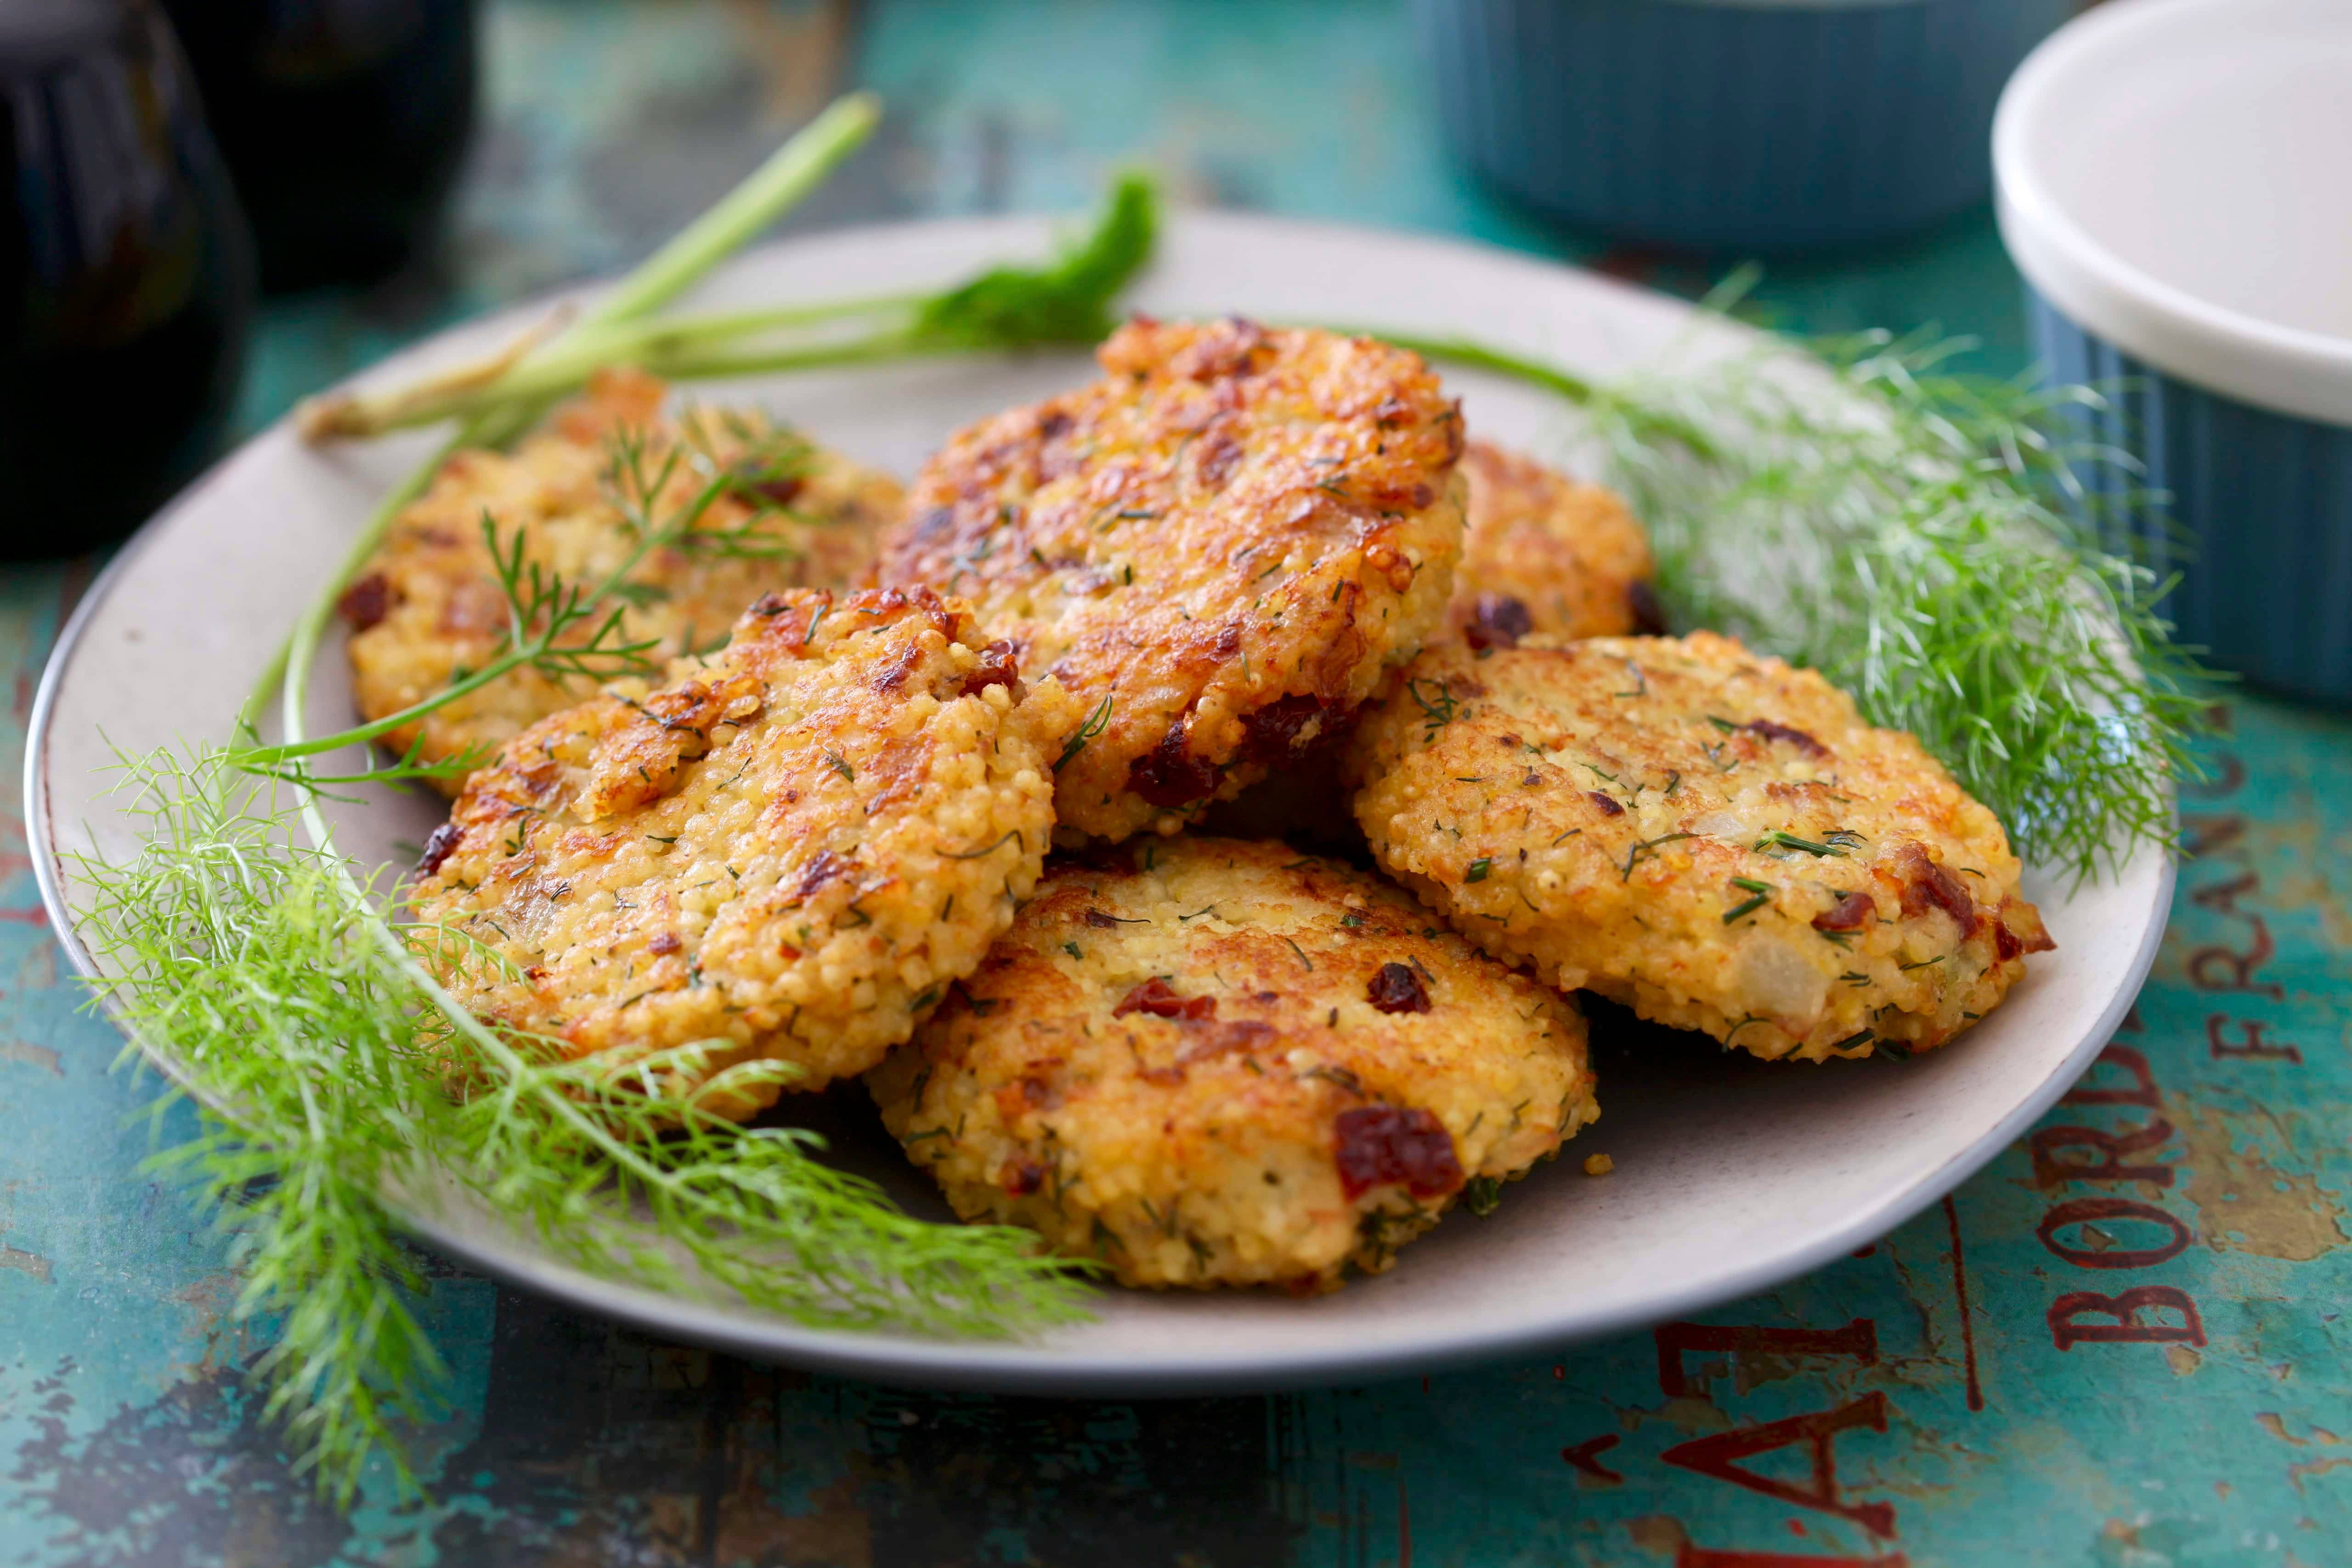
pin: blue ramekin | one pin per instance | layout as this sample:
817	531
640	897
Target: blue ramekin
1748	126
2175	183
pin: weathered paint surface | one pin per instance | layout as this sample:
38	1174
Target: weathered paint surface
2121	1346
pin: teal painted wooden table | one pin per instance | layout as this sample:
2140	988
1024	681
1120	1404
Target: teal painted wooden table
2121	1345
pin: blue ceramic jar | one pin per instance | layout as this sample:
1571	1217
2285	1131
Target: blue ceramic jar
2176	187
1744	125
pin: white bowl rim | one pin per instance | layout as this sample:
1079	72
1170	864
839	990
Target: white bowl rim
2290	370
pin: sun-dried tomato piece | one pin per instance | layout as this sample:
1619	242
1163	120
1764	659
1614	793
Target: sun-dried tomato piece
1498	620
1217	1039
1851	913
1218	455
366	601
1928	885
826	867
776	490
439	847
1796	738
1022	1177
1272	731
1649	616
1000	665
1157	997
1397	989
1390	1145
1169	776
1608	804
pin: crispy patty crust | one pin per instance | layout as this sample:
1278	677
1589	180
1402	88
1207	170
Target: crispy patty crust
1210	1062
1216	548
788	851
1711	837
429	603
1548	556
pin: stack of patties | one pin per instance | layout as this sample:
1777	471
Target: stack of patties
1218	599
1204	1061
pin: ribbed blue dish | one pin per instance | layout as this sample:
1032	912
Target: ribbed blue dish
1748	125
2265	499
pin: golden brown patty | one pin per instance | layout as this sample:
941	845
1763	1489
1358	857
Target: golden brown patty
1216	547
1208	1062
791	850
1546	556
1712	837
429	602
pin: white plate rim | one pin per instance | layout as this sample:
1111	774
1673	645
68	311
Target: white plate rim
1014	1367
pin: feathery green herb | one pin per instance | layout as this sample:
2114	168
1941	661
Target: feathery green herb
1928	541
242	951
333	1065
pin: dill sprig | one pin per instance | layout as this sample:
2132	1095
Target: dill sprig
1930	542
568	630
334	1066
240	948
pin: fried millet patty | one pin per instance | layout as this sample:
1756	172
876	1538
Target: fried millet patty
1216	548
1211	1062
1546	556
429	602
789	850
1711	837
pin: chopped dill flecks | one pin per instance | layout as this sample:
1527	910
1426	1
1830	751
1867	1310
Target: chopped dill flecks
1096	721
1760	894
1478	869
1777	840
1436	715
1922	963
1859	1038
1072	948
1301	952
833	760
1482	1196
1647	849
1012	834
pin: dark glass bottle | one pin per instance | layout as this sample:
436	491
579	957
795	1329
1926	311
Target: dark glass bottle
126	275
342	121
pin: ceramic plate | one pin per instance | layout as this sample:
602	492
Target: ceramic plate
1731	1174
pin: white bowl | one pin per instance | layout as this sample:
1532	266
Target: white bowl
2176	176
